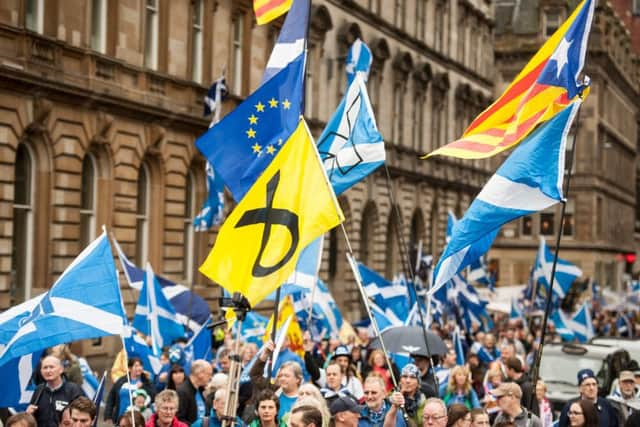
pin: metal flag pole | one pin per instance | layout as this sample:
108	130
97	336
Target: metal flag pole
536	364
274	328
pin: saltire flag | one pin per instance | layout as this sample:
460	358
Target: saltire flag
17	386
259	127
471	308
528	181
305	275
546	85
155	316
358	60
288	323
458	347
325	313
516	311
451	222
213	99
191	309
97	398
581	324
390	297
136	346
384	318
89	381
199	345
268	10
292	40
68	312
351	146
623	326
484	355
561	324
566	272
258	245
253	328
12	318
479	273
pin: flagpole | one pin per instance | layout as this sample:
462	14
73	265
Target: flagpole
406	262
274	330
126	357
536	364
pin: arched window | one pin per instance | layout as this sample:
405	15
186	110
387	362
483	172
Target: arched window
392	266
189	214
142	216
196	40
88	201
22	245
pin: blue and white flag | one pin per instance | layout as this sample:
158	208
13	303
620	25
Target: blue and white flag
479	273
253	328
325	314
516	311
199	345
305	276
390	297
89	381
97	398
566	272
530	180
351	146
16	387
68	311
358	60
213	99
155	316
292	40
581	324
458	347
561	323
136	346
384	318
623	326
192	310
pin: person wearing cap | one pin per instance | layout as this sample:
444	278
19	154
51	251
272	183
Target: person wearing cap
516	374
588	388
511	410
412	398
427	380
345	412
376	413
334	384
625	397
342	357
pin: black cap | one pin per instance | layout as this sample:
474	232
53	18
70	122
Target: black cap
344	403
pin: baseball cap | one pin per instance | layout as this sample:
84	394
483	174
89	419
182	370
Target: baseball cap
584	374
507	389
626	376
343	404
342	350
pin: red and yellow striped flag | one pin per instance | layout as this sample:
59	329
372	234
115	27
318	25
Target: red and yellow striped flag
268	10
546	85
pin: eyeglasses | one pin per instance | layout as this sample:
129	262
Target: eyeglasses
167	409
434	418
574	413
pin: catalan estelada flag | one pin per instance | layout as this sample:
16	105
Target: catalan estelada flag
546	85
288	206
268	10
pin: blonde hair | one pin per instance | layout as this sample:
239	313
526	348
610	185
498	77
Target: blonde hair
453	386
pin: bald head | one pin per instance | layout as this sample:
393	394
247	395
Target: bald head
51	370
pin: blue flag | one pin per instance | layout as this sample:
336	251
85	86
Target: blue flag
529	180
192	310
246	140
325	314
155	316
458	347
89	380
16	387
351	146
516	311
253	328
560	322
213	100
68	312
97	398
199	346
566	273
136	346
390	297
581	324
359	59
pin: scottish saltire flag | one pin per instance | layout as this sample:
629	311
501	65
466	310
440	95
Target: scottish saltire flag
292	39
213	99
623	326
12	319
213	208
384	318
479	273
258	127
451	222
351	146
566	272
305	276
253	328
191	309
390	297
516	311
97	398
155	316
16	387
199	345
68	311
561	323
458	347
484	355
358	60
546	85
136	346
581	324
89	381
528	181
325	314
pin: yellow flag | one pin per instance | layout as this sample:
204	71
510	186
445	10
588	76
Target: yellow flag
294	332
289	205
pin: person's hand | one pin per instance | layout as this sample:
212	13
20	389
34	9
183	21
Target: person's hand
269	346
307	343
31	409
397	399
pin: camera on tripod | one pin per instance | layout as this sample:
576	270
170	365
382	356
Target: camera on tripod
238	303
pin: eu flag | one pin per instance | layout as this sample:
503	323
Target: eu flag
246	140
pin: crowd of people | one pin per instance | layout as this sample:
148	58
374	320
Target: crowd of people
346	384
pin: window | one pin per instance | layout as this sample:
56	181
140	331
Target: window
22	245
527	225
367	233
552	21
151	35
98	25
309	83
439	27
547	223
88	201
236	52
418	123
398	14
398	113
142	216
392	249
599	217
196	42
34	15
636	7
333	253
568	228
421	18
189	234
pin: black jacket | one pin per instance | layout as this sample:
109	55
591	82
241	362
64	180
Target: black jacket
188	407
528	399
51	403
112	407
607	415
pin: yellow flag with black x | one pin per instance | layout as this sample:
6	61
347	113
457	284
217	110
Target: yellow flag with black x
290	205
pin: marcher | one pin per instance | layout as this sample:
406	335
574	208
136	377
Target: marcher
82	412
125	419
625	398
21	419
588	388
305	416
266	413
374	412
345	411
120	395
458	415
583	413
435	413
515	372
479	418
192	403
166	403
459	390
414	400
509	396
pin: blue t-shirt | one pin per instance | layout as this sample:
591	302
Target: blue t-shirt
285	405
200	404
125	397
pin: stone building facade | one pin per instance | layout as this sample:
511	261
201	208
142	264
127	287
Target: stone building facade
101	101
602	208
